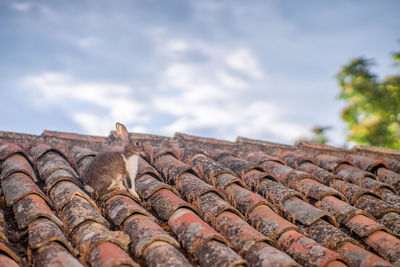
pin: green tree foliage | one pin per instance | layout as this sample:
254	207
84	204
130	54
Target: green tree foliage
373	105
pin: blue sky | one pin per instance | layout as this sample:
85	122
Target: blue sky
260	69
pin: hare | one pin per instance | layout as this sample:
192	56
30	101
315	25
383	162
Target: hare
113	170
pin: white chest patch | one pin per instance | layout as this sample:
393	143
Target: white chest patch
131	165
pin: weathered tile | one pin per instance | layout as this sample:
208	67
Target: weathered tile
366	163
293	159
323	175
352	174
191	231
211	205
147	185
143	232
240	234
363	226
225	179
262	254
54	255
389	177
161	254
304	213
117	192
64	191
52	161
210	170
328	235
330	163
342	211
286	175
215	253
82	152
266	221
120	207
244	200
5	250
187	153
7	262
192	187
374	206
79	210
361	257
239	166
19	185
374	185
390	197
58	176
277	193
41	149
254	178
31	207
145	168
17	163
394	165
166	202
385	245
259	157
109	255
351	191
8	149
91	234
392	221
317	191
170	167
306	251
42	232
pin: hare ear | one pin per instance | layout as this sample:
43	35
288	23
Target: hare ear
122	132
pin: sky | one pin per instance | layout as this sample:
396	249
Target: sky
222	69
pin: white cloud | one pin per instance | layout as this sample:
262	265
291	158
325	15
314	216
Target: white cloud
21	6
213	98
31	6
230	81
244	61
177	45
115	101
86	42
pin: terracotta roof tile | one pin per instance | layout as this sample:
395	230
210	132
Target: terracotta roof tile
54	254
30	208
360	256
203	202
389	177
386	245
43	232
306	251
19	185
17	163
144	231
9	253
163	254
108	254
6	261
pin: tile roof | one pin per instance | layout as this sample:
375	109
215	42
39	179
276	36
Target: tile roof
203	202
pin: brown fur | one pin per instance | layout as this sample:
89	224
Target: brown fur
108	171
103	169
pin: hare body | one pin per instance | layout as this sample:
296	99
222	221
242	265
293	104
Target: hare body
109	171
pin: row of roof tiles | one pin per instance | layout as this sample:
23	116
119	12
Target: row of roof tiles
202	203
